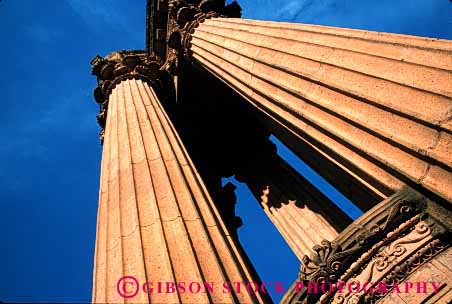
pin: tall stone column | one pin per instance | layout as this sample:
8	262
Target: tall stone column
361	106
156	221
300	212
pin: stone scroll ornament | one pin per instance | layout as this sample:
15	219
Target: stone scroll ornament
184	17
119	66
330	259
395	239
326	263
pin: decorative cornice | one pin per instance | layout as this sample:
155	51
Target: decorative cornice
412	239
386	224
184	17
116	67
409	266
331	260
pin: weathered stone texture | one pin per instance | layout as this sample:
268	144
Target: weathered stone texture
156	221
302	214
433	271
370	112
404	238
377	105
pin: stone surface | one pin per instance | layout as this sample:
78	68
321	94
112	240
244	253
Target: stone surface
300	212
433	271
404	238
378	104
156	221
370	112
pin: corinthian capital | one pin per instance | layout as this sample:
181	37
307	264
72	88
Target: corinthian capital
184	17
119	66
122	65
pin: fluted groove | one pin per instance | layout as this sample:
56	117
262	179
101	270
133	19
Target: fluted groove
416	166
301	228
337	76
115	259
156	221
385	45
187	217
285	196
155	247
230	256
366	115
303	245
315	222
296	247
312	137
298	227
383	113
130	235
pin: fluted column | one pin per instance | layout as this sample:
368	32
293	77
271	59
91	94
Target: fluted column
156	221
301	213
378	106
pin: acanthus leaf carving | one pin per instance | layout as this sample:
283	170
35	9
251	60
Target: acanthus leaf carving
184	17
326	263
331	260
116	67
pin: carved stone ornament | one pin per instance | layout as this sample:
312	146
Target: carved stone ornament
408	240
116	67
409	266
184	17
326	263
385	245
331	260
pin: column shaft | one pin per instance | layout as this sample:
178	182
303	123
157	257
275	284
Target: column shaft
376	105
301	213
156	221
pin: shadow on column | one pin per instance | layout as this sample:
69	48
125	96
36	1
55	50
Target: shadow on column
225	138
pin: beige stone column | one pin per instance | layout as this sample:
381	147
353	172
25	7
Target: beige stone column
300	212
299	225
376	106
156	221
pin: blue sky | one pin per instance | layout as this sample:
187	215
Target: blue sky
49	150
